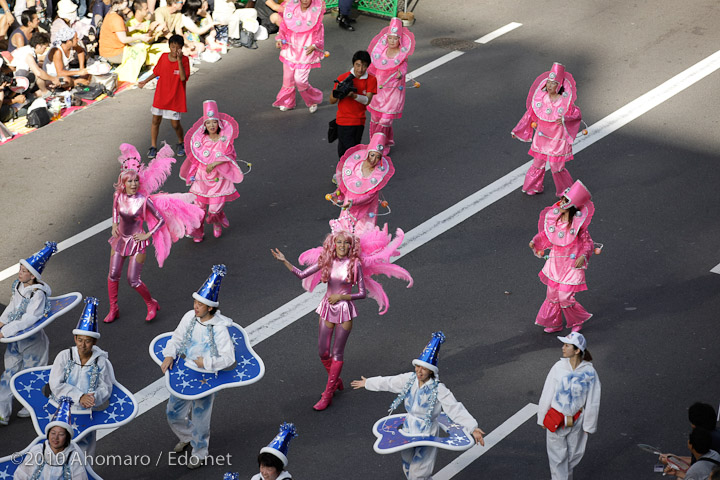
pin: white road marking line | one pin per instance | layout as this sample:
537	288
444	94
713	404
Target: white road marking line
491	439
456	53
500	31
434	64
65	244
716	269
648	101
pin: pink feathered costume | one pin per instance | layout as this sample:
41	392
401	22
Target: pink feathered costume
169	218
551	142
363	192
389	102
300	29
212	189
567	242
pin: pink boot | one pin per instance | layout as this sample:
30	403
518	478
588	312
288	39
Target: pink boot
113	295
327	363
152	305
327	395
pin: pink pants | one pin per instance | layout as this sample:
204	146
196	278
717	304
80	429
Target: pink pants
536	174
556	303
379	124
297	78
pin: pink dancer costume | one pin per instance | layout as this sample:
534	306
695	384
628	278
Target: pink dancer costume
171	217
368	256
212	189
390	72
363	192
300	29
567	242
551	142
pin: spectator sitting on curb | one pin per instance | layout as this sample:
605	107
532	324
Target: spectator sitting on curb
25	62
61	54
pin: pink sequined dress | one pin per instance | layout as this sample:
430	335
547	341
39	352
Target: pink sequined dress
343	310
129	213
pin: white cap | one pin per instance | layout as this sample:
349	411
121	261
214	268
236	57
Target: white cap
576	339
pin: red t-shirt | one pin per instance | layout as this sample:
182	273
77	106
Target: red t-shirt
170	91
350	111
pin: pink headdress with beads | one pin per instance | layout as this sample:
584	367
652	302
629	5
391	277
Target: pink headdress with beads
129	157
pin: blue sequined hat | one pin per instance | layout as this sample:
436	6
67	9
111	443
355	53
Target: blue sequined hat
36	263
62	417
280	444
209	292
88	325
429	357
231	476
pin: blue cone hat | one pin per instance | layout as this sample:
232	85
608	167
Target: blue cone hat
231	476
210	291
280	444
429	357
88	325
36	263
62	417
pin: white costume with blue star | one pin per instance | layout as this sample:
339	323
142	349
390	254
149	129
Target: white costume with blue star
567	391
51	464
69	378
418	462
26	307
190	419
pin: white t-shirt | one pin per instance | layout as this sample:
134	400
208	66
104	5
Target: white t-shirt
20	56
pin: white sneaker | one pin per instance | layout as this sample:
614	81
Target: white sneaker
195	462
283	109
23	413
3	422
313	108
180	446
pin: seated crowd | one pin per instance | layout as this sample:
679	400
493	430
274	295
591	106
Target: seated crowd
46	46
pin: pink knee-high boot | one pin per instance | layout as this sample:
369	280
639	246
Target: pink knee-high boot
575	316
549	317
563	180
152	305
534	180
112	287
327	395
327	363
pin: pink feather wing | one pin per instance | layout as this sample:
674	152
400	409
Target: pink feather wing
154	175
181	218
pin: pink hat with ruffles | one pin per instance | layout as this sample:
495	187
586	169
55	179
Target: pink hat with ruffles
557	74
377	143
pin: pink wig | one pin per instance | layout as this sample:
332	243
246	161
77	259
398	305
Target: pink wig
124	176
328	255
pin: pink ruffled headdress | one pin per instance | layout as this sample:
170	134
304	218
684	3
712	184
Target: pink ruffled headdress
378	45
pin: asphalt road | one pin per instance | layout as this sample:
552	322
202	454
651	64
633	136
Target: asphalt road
654	184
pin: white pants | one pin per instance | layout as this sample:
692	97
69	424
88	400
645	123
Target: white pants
190	421
565	449
418	462
236	18
30	352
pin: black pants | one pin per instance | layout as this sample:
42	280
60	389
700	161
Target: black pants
349	136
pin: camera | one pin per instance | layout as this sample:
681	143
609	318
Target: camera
344	88
7	78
